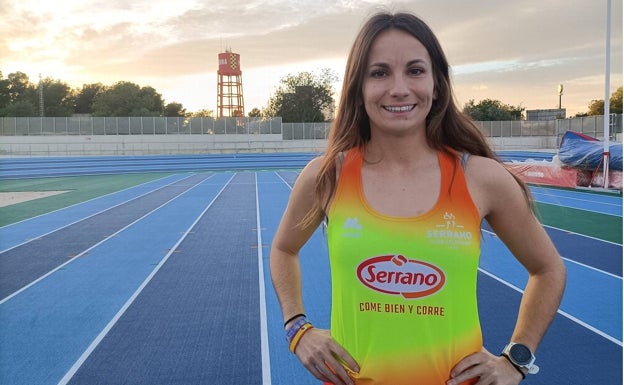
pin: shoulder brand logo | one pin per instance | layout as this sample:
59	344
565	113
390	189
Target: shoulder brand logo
397	275
450	232
352	228
352	224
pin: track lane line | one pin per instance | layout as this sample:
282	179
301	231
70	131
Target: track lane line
89	215
17	292
264	330
581	235
559	311
70	373
571	260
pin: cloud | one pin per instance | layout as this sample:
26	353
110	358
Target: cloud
492	45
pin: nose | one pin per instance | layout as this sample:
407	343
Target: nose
398	88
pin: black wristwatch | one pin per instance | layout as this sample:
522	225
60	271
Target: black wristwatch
521	357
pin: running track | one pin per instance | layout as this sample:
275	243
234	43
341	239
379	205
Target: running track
167	282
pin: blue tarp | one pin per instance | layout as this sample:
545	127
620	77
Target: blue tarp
584	152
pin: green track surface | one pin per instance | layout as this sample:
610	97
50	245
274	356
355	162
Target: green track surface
601	226
79	189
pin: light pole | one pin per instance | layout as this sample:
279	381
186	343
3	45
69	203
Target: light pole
605	156
41	107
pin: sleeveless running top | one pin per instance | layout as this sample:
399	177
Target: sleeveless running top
404	288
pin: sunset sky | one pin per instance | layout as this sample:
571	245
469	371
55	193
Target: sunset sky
516	52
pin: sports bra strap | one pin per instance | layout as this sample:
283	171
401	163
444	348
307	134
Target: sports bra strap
464	160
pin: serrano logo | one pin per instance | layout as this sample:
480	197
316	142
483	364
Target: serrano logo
395	274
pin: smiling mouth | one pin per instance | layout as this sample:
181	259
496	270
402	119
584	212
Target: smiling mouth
399	108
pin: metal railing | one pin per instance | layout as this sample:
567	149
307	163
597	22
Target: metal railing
90	126
589	125
137	126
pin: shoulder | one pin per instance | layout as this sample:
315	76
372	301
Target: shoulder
305	186
310	172
485	171
491	185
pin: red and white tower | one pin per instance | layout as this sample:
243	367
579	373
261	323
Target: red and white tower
229	86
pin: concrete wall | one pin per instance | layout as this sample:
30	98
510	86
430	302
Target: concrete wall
525	143
76	145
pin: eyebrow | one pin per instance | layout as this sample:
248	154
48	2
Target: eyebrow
409	63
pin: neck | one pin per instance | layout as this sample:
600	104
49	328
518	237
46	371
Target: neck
403	151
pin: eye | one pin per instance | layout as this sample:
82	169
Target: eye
415	71
378	73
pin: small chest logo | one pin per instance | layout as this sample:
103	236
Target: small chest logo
397	275
448	231
352	228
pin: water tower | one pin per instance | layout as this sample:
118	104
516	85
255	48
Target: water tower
229	86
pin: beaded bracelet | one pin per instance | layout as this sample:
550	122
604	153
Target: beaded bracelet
295	341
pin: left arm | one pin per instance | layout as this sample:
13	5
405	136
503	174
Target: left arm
501	201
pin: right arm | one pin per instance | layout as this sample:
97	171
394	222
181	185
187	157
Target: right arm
316	349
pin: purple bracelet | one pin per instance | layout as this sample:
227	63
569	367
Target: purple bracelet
295	328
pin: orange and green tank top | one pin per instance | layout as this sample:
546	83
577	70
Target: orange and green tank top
404	298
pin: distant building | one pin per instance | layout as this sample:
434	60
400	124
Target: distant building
552	114
230	86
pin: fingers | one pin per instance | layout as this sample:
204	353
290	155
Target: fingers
325	358
334	373
489	369
329	371
345	360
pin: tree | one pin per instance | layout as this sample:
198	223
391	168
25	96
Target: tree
83	101
19	109
20	88
18	96
128	99
175	110
58	99
596	106
305	97
615	102
492	110
151	100
205	113
255	113
4	92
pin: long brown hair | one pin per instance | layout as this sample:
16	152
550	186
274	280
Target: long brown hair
447	129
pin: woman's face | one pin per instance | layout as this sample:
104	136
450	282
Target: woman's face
398	88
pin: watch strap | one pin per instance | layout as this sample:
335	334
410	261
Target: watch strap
514	365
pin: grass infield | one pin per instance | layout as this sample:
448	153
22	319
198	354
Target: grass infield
79	189
601	226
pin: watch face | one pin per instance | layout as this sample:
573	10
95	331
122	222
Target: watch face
521	354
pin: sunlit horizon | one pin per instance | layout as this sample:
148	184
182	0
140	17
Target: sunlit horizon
515	53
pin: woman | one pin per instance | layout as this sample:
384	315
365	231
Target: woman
404	185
